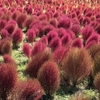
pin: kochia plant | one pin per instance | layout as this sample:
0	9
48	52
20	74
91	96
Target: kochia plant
17	37
21	20
31	35
49	77
77	65
37	48
8	78
26	49
97	81
29	90
8	59
55	43
6	46
35	63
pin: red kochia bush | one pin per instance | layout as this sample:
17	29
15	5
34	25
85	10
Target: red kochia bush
6	46
26	49
2	23
8	78
49	77
66	39
29	21
8	59
17	36
87	46
35	63
94	37
55	43
4	33
71	33
59	54
51	35
31	35
64	22
29	90
47	29
77	43
53	22
21	19
76	29
15	14
87	32
38	47
10	27
44	40
77	65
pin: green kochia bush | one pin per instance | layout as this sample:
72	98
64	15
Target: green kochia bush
77	65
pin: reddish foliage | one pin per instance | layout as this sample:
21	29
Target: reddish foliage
8	59
87	32
37	48
77	65
71	33
10	28
93	49
86	21
76	29
21	19
48	28
8	78
94	37
4	33
87	46
51	35
77	43
42	17
64	23
6	46
55	43
17	36
28	22
49	77
26	49
31	35
66	39
44	40
61	32
97	29
59	54
53	22
94	24
36	62
29	90
15	14
2	24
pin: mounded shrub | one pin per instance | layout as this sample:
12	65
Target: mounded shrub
49	77
77	65
36	62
